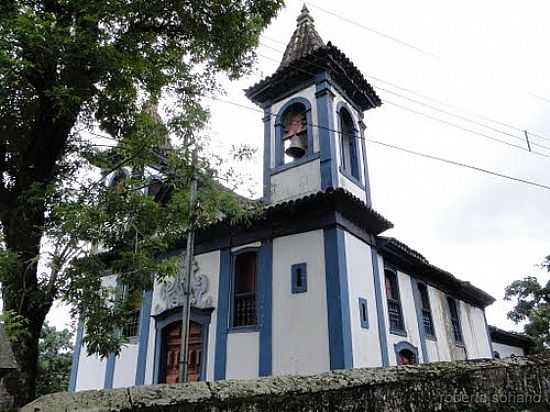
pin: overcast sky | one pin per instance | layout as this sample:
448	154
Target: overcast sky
490	58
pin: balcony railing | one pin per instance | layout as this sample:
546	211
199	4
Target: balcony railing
244	310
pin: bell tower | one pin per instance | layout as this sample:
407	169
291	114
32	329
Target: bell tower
313	110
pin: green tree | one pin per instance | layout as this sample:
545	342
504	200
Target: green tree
532	306
70	66
54	365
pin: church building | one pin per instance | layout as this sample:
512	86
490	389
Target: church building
311	284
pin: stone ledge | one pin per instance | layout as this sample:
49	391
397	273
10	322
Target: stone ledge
515	384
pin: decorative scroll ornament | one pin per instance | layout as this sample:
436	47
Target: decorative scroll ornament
172	291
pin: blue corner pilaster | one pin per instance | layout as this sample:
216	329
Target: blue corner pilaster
76	357
366	179
325	120
222	315
339	324
488	335
419	320
268	121
266	311
109	371
144	322
382	337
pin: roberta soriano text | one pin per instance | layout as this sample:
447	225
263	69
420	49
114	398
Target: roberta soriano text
509	398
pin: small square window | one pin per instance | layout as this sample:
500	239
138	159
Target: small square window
363	313
299	278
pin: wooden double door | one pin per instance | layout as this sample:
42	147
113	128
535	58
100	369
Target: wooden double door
171	352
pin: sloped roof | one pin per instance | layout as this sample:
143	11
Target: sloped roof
511	338
304	40
305	57
404	256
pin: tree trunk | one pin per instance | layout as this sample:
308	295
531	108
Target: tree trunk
23	294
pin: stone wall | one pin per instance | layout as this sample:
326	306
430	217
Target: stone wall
518	384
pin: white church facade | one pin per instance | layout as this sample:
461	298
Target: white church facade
311	285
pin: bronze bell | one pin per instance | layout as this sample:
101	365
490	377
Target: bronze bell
297	147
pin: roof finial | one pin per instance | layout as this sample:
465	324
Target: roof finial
304	16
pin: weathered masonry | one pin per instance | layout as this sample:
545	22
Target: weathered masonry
467	386
312	284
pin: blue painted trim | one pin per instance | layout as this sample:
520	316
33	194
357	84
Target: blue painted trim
296	163
488	335
109	371
267	153
352	179
419	318
327	143
200	316
245	328
144	322
399	332
457	306
76	357
266	308
222	322
398	347
366	179
364	313
354	173
382	337
300	268
339	324
279	146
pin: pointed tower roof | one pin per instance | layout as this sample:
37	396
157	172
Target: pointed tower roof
306	56
304	40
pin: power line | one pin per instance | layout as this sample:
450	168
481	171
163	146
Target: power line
405	150
460	109
531	133
349	21
457	126
446	122
388	145
464	118
377	32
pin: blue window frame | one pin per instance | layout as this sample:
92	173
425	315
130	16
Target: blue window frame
349	162
395	312
298	278
455	321
244	290
363	313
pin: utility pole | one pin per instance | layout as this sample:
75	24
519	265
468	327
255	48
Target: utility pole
186	278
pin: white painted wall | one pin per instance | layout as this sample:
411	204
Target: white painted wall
296	182
365	342
474	329
125	367
300	325
209	264
344	181
91	372
439	349
507	351
243	351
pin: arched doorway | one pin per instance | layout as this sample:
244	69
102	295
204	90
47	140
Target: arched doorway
406	354
168	345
